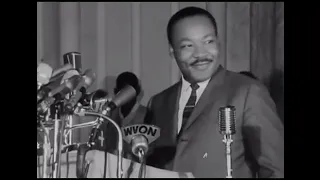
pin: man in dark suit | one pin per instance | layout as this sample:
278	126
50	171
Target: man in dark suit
130	113
187	112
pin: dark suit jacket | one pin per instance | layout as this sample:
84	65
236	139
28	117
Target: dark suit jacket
258	145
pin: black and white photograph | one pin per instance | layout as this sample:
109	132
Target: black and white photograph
160	89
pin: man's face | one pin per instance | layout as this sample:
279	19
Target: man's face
195	48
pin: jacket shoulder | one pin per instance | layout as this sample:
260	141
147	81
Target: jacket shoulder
166	91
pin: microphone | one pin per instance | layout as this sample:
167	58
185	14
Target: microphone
69	82
59	92
227	125
140	136
95	100
227	116
44	72
54	83
122	97
87	80
58	73
73	58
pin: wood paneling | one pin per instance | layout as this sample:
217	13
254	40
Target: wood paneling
262	40
118	38
197	4
90	51
175	71
135	35
89	24
70	15
155	60
101	44
218	10
238	36
51	33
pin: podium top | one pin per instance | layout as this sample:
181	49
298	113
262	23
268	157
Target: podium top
96	169
130	168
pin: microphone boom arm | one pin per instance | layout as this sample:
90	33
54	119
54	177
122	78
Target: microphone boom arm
120	137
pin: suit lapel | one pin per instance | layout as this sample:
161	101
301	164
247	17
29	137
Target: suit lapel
207	97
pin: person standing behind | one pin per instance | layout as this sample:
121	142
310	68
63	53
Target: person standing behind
130	113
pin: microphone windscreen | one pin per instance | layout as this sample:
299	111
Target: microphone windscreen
89	77
61	70
68	75
227	116
124	96
44	73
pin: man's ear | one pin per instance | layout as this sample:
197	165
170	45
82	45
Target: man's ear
171	52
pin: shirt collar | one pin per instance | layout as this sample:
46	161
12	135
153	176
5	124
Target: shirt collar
186	84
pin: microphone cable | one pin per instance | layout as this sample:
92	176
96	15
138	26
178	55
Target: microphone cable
142	170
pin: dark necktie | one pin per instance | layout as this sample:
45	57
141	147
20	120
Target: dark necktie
190	105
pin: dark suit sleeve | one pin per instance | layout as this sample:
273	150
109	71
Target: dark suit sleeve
263	132
149	119
149	114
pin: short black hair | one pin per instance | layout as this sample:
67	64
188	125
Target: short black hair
189	12
248	74
127	78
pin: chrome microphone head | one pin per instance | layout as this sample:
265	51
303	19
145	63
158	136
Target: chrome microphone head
139	142
73	58
227	117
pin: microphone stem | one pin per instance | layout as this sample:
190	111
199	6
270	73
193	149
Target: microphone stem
120	142
70	135
46	154
58	130
228	141
142	171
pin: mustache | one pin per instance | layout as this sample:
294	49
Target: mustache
200	60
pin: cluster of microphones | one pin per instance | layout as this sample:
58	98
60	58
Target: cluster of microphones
67	87
64	92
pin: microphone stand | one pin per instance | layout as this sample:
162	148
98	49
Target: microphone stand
82	166
228	141
97	123
69	134
142	170
46	154
59	124
45	148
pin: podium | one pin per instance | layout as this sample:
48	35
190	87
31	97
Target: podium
96	159
68	167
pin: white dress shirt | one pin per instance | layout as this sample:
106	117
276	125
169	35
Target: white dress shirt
185	95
